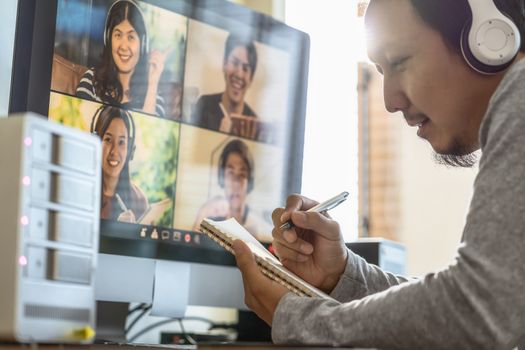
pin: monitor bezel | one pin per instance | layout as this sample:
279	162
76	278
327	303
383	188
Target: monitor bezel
30	91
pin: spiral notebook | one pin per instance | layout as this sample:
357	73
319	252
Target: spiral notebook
225	232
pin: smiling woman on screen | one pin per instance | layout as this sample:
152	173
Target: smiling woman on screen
128	74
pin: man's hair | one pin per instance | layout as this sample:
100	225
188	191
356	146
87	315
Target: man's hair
234	41
448	17
239	147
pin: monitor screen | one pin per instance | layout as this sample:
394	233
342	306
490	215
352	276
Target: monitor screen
199	106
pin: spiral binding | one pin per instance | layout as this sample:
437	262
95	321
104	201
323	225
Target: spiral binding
224	240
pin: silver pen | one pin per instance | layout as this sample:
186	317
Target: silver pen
319	208
121	203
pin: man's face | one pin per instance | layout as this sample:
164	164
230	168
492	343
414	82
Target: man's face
125	47
236	174
423	78
114	148
237	74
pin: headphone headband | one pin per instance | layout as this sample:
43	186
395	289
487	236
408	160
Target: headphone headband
490	40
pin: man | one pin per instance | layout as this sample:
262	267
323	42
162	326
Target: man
236	177
478	301
219	111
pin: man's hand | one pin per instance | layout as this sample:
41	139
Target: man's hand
261	294
314	248
244	126
215	207
226	124
127	216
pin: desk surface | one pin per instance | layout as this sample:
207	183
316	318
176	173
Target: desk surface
244	346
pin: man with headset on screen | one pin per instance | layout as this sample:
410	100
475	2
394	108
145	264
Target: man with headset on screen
454	68
218	111
236	176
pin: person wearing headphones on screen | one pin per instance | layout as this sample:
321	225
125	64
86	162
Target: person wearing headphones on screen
127	75
236	177
216	111
455	69
122	200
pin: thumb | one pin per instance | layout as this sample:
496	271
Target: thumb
317	222
245	259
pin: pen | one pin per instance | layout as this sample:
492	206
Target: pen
319	208
121	202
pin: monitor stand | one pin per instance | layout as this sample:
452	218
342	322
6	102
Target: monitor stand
111	322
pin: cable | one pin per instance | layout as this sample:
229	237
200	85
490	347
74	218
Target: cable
140	306
163	322
134	322
188	337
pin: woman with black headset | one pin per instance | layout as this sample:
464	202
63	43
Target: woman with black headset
122	200
127	75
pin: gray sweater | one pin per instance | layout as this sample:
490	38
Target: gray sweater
478	301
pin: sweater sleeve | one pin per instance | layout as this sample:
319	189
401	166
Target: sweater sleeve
476	302
86	88
361	279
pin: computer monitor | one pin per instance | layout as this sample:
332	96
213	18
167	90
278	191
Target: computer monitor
200	108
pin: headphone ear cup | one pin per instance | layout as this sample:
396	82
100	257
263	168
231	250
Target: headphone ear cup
131	135
94	120
144	45
490	40
132	149
250	183
221	177
471	59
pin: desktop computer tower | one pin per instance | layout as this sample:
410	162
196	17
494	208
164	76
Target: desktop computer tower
50	207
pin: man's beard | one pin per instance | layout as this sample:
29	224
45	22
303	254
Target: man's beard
453	160
458	156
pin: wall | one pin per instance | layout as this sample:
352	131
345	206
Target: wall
330	145
7	37
434	204
273	8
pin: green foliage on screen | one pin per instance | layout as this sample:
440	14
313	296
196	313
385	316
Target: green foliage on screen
156	173
67	111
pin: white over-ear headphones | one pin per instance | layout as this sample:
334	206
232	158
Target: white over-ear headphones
491	40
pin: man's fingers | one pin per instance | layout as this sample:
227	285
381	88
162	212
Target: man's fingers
278	233
290	239
276	216
287	253
296	202
317	222
245	260
249	271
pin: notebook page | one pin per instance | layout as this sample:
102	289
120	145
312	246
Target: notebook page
234	230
